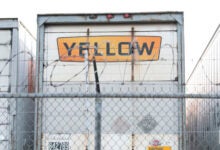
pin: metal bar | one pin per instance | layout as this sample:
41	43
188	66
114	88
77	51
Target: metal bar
132	80
98	102
3	107
133	54
39	86
98	123
96	76
4	124
4	141
98	109
86	62
110	95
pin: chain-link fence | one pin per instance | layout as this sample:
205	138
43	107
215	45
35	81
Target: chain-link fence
203	124
103	103
16	123
123	121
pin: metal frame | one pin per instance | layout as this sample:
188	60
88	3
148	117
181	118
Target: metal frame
181	82
137	18
161	17
14	81
39	86
8	23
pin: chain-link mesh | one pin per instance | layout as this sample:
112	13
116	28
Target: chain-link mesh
127	123
202	124
4	123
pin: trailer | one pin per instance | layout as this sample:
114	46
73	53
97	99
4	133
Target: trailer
126	53
203	115
17	47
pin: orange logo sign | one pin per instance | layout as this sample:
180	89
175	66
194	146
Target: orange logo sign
109	48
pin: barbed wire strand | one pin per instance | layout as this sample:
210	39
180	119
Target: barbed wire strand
26	76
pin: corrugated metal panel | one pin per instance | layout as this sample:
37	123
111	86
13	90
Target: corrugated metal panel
5	48
203	120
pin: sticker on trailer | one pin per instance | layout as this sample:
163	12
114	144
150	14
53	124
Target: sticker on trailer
109	48
159	148
64	145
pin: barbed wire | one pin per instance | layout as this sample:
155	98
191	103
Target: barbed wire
56	62
11	58
8	61
64	82
207	77
76	74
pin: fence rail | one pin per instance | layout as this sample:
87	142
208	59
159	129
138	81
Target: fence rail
117	95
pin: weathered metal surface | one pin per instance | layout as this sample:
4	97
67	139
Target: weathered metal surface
17	49
117	80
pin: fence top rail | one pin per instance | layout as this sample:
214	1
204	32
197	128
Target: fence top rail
110	95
